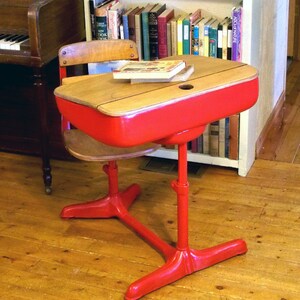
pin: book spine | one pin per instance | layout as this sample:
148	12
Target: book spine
153	32
162	38
101	27
229	42
236	34
234	136
213	41
206	41
214	139
222	124
224	41
174	36
131	27
196	40
169	39
113	25
206	137
138	34
125	26
220	40
227	137
92	19
179	37
163	24
145	29
186	41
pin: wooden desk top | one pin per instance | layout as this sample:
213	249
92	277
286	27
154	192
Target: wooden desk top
120	98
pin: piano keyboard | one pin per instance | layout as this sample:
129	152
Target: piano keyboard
12	41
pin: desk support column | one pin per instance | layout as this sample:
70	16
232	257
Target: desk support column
181	187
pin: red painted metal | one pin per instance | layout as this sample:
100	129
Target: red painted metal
163	122
186	120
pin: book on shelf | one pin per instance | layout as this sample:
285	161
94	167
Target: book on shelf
162	22
180	34
201	25
234	136
220	38
145	30
131	23
169	38
156	69
222	137
115	13
153	29
236	33
194	19
101	19
213	38
186	38
138	32
174	35
225	38
195	43
125	23
183	75
206	37
229	40
214	138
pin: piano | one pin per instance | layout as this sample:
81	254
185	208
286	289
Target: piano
31	33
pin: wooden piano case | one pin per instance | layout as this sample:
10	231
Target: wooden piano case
29	120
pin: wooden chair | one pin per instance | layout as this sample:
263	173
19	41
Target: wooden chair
84	147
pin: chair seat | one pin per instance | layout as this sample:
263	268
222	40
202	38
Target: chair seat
86	148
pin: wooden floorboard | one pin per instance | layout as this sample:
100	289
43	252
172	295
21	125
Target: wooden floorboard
44	257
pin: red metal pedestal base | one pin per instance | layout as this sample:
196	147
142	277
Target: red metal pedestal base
181	260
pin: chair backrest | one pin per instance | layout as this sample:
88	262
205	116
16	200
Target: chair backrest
95	51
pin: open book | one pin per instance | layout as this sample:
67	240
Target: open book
157	69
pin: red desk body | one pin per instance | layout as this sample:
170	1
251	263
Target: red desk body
121	114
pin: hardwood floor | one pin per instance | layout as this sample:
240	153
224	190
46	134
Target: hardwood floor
44	257
283	143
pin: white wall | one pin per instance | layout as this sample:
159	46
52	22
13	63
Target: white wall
267	32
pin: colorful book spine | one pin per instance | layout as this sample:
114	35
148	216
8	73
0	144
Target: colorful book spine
138	33
153	29
224	40
101	19
195	45
131	24
163	20
180	35
236	34
174	35
213	39
206	39
145	31
186	38
229	41
125	24
114	21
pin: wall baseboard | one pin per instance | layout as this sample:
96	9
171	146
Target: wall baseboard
269	138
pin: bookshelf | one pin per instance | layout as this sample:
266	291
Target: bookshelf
265	47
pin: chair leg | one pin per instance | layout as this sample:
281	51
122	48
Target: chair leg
112	205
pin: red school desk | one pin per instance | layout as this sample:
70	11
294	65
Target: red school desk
122	114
